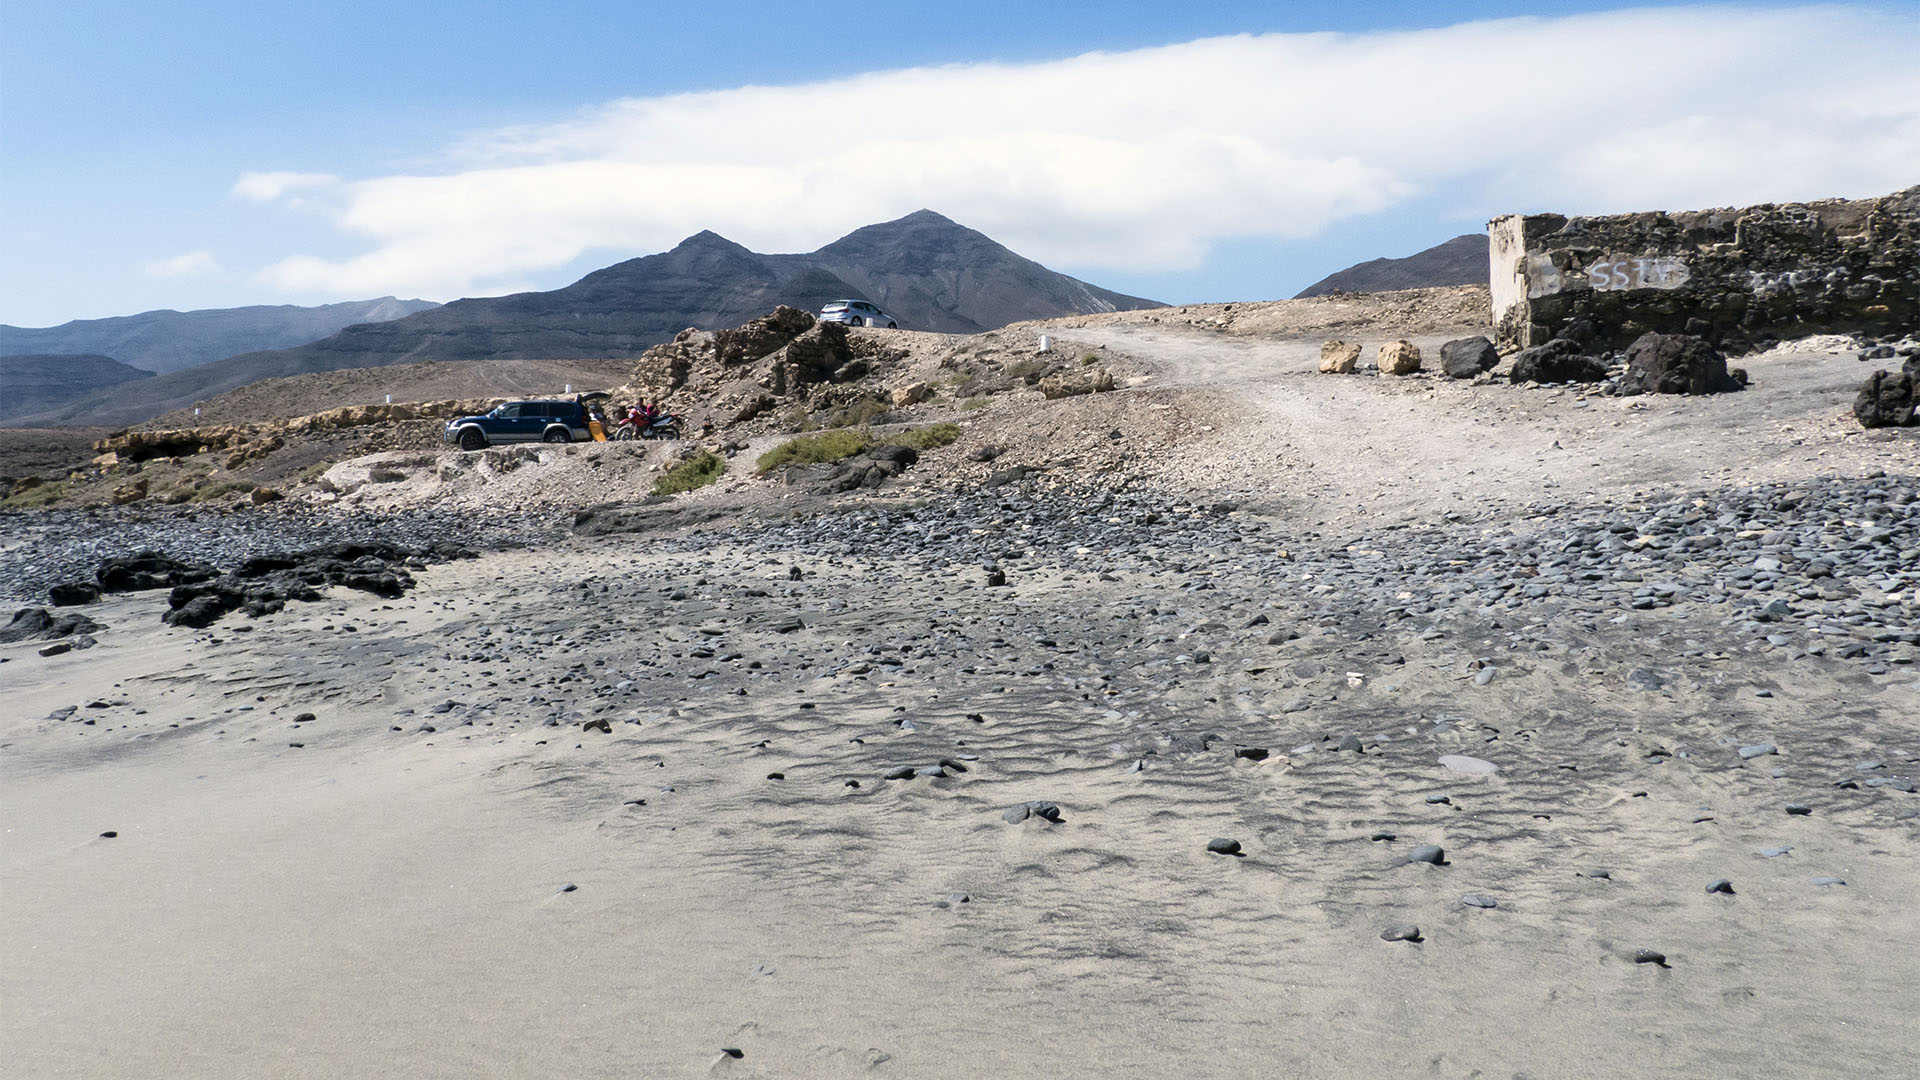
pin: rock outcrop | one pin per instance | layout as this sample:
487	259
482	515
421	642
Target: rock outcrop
250	441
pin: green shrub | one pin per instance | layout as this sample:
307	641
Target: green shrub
222	490
42	495
974	403
857	414
927	438
697	471
1088	359
824	448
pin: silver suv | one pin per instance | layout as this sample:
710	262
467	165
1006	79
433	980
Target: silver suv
857	313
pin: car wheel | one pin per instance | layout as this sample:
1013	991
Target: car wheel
893	325
856	321
471	439
557	435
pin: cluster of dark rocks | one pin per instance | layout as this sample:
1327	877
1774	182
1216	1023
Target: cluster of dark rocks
199	594
64	548
1652	364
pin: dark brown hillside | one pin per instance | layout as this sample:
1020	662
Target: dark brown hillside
1460	261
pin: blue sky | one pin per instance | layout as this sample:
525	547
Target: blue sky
213	154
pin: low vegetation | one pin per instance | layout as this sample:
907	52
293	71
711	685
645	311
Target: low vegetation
696	472
840	444
41	495
221	490
931	437
857	414
822	449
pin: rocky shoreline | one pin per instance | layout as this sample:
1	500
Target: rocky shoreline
42	549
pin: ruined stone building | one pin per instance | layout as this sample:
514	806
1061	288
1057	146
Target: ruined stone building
1738	277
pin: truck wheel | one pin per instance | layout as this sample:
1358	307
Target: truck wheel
557	435
471	439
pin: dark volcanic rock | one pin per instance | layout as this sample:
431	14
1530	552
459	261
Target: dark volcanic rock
868	469
263	584
31	624
1886	399
1677	364
1558	360
149	570
73	593
1039	808
1467	357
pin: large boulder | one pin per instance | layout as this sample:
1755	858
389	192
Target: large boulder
1676	364
912	394
1339	358
1558	360
1075	383
1399	358
1465	358
1887	399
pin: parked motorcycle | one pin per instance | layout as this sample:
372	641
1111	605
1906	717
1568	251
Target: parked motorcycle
662	426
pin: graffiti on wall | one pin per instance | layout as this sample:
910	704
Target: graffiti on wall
1612	274
1619	275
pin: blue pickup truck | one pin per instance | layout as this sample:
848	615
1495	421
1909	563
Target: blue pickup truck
520	421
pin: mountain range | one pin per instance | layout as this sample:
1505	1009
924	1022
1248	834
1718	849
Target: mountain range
164	341
1460	261
33	383
929	272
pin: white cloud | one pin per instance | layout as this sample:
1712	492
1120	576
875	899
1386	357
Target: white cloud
184	265
1142	160
263	187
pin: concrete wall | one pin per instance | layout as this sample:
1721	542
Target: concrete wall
1738	277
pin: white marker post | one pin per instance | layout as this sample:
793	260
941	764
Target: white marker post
1046	343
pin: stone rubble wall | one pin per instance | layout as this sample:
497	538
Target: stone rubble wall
1737	277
